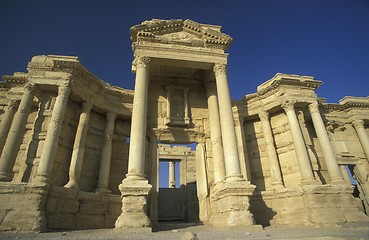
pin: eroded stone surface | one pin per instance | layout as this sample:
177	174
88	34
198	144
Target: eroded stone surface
78	153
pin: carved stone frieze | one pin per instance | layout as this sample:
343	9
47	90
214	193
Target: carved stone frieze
179	32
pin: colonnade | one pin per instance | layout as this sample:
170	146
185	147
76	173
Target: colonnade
307	175
219	101
16	131
12	128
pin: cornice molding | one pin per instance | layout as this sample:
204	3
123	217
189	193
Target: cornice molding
179	32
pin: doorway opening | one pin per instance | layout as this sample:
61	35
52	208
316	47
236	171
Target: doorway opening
177	196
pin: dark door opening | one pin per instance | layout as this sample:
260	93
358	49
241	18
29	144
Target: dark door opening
171	204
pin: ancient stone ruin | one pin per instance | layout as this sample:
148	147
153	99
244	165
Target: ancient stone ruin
78	153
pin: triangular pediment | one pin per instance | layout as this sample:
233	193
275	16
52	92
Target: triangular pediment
177	31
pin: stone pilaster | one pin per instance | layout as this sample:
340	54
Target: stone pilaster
232	162
6	122
215	134
172	175
275	171
302	156
15	134
325	144
363	137
103	181
75	167
52	136
135	188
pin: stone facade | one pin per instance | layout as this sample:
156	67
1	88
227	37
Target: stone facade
78	153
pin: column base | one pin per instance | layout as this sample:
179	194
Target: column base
71	185
6	177
134	204
309	181
230	204
41	178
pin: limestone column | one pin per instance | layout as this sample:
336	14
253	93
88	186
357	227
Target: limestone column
136	162
363	137
135	188
6	122
232	163
215	134
275	171
15	134
103	181
172	174
325	144
299	144
76	162
52	136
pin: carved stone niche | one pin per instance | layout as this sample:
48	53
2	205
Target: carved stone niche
177	106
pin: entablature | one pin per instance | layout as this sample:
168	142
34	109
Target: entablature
180	33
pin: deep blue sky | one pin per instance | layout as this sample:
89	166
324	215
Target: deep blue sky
325	39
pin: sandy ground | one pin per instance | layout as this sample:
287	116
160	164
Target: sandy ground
179	231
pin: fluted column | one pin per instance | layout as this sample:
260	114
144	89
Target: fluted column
363	136
52	136
172	175
275	171
136	162
299	144
215	134
76	162
103	181
15	134
6	122
232	163
325	144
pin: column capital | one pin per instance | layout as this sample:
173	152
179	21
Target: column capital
29	87
12	104
264	115
141	62
220	69
64	90
288	105
358	123
314	107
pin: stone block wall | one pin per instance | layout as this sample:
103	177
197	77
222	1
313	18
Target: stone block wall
285	150
22	207
72	209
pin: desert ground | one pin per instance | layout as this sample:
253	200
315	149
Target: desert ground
193	232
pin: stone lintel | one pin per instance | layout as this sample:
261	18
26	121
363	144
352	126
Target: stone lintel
190	55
